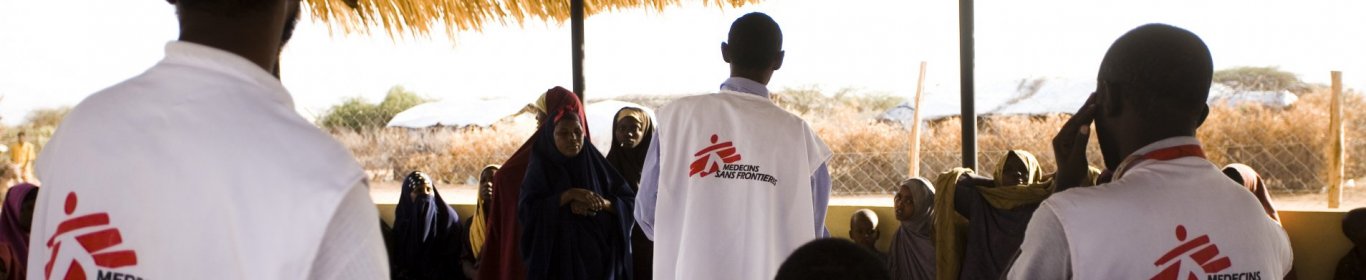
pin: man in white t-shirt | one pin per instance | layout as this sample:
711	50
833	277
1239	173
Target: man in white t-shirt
201	168
1168	213
732	183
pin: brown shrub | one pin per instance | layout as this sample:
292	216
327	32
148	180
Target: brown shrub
1287	145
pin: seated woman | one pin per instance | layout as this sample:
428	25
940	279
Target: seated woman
476	225
574	208
1249	178
428	239
912	254
14	230
982	220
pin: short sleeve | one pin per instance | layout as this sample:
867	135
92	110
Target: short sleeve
1044	254
352	247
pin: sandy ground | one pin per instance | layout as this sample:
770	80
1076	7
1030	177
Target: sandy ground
1351	198
388	193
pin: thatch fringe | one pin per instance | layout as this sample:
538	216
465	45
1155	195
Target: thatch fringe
418	17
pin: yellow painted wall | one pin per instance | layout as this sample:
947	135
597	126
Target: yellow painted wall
1317	240
1316	236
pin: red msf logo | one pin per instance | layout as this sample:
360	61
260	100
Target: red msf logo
709	159
96	237
1200	250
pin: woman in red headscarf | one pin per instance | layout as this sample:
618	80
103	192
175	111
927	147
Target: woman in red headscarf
574	208
501	257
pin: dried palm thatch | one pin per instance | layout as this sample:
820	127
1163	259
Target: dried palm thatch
418	17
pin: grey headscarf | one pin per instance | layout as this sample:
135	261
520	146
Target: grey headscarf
912	254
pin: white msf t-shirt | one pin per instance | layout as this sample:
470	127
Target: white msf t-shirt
1161	219
200	168
735	191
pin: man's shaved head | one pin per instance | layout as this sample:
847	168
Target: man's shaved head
830	258
1354	226
863	228
1161	66
865	216
755	41
1152	85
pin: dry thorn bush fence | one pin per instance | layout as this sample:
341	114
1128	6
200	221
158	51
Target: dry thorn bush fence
1286	144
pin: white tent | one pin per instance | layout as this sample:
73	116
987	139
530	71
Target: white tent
1052	95
1225	96
459	112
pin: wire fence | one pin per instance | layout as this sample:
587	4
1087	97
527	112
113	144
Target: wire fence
1286	145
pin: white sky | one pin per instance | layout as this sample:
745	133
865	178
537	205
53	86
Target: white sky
54	53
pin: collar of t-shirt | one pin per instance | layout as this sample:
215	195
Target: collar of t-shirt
231	65
738	84
1134	159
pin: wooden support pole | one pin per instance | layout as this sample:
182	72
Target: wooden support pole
915	124
576	17
968	113
1336	156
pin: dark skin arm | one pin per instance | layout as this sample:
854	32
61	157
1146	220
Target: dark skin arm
1069	147
967	192
979	180
584	202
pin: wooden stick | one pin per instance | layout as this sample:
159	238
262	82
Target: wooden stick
1336	157
915	124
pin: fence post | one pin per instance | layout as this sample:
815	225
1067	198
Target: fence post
1336	157
915	125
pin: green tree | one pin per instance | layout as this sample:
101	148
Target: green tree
40	124
47	118
354	114
1259	79
358	115
397	100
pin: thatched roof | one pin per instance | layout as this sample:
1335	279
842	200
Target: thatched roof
418	17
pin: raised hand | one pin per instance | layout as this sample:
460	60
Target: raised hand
1069	147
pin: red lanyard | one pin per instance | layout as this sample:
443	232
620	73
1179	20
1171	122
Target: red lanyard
1171	153
1164	154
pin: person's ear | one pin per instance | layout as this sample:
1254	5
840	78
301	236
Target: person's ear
725	52
778	62
1110	101
1204	113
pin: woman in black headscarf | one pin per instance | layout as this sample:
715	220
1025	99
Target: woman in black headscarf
632	131
428	238
575	209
